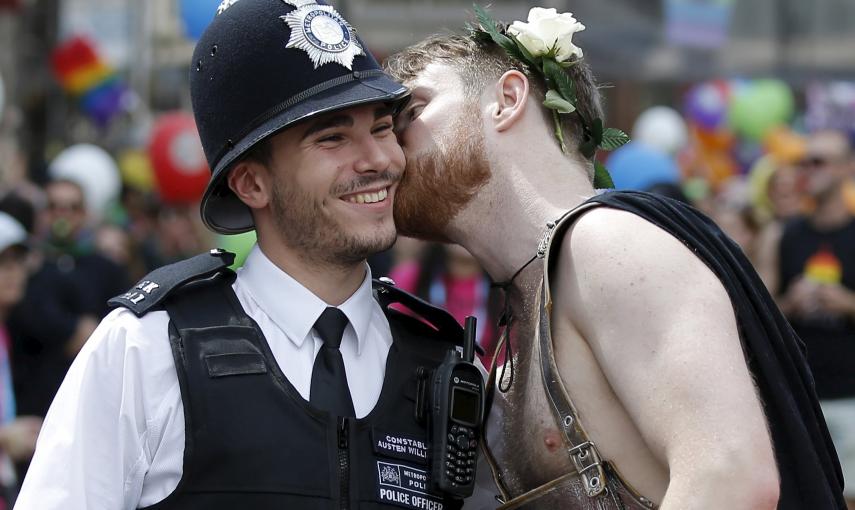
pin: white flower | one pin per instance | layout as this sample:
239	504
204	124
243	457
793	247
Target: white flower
546	29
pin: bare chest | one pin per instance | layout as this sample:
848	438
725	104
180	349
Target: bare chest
525	438
522	432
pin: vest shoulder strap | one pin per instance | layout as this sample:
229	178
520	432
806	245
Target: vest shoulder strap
154	288
197	276
432	320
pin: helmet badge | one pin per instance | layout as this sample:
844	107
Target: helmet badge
225	4
322	33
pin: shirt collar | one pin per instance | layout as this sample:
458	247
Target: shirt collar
293	307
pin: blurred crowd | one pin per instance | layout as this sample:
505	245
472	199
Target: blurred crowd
96	221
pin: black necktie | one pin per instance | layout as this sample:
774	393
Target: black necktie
329	389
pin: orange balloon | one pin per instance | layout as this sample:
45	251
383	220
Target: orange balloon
718	141
711	166
721	169
785	146
849	195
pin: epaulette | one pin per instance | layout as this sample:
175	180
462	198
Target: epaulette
387	294
157	285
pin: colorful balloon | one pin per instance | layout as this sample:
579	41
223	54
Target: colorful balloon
718	167
746	153
136	170
197	14
737	86
785	145
661	128
719	140
849	195
239	244
759	176
178	159
94	170
696	189
706	105
760	107
638	166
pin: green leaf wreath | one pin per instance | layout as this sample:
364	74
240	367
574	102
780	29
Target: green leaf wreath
561	92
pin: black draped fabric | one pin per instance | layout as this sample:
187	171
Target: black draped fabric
809	469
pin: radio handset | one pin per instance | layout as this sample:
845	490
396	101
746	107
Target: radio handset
456	416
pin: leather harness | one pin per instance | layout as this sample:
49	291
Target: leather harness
598	478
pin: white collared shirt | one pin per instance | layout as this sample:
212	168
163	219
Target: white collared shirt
114	435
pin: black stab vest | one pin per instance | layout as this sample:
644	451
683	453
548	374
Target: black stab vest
252	442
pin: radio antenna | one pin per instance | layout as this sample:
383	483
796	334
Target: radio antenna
469	339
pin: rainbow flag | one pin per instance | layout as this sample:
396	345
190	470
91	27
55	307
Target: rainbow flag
85	75
824	267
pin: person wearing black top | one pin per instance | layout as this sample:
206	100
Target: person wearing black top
817	287
652	368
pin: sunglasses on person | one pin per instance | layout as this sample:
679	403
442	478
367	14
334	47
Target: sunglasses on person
815	161
65	206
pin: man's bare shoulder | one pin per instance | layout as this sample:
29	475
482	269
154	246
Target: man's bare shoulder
616	258
611	236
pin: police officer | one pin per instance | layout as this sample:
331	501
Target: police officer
290	384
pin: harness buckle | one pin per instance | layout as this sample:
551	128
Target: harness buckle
586	460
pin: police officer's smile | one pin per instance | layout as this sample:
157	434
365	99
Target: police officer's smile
368	197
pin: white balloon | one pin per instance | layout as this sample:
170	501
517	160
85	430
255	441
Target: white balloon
94	170
662	128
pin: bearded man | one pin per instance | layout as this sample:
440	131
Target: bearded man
651	369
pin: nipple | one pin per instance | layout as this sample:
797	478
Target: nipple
552	441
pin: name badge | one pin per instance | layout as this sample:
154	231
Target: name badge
400	446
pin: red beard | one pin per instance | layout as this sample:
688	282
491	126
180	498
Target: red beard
437	186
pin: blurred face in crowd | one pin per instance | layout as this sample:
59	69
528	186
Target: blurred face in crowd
332	181
737	224
178	232
441	134
13	276
66	212
784	192
828	162
114	243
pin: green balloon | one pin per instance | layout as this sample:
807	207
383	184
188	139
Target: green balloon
239	244
762	106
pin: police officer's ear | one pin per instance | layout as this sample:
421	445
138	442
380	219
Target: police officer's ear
248	180
511	95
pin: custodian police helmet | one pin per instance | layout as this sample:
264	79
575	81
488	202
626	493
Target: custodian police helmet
263	65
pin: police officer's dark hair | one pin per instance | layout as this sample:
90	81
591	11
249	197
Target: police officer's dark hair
480	64
261	153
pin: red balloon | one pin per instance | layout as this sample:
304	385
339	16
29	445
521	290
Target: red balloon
178	159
